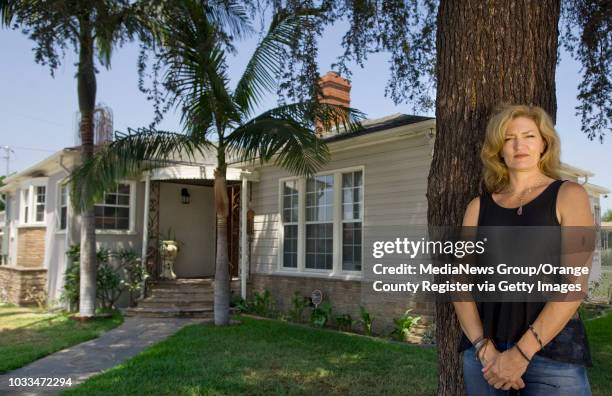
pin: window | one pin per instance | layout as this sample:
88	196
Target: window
26	205
40	203
290	223
63	206
321	222
33	201
113	212
352	209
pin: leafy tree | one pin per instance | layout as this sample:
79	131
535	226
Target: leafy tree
607	216
92	29
216	119
476	55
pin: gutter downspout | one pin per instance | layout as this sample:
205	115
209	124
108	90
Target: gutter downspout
68	235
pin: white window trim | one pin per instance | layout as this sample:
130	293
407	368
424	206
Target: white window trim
30	185
58	217
132	229
336	272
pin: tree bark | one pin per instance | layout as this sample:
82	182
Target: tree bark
488	53
86	86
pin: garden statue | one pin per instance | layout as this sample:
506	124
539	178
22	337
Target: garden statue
169	250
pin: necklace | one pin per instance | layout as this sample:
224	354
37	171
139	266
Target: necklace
524	193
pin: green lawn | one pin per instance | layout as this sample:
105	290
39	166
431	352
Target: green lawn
271	357
27	334
600	338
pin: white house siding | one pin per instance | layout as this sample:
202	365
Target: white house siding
55	252
395	183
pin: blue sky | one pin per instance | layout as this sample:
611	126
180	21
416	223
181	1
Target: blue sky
37	111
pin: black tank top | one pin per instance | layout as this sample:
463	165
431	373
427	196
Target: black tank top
508	321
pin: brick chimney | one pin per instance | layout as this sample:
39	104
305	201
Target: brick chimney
334	90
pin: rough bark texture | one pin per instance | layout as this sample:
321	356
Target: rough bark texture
86	86
487	53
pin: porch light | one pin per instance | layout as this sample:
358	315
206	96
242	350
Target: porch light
185	197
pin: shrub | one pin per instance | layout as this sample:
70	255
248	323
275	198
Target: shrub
429	337
321	314
345	322
262	303
134	273
366	320
404	325
299	304
111	280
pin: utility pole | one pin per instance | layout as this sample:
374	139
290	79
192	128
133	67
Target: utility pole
7	157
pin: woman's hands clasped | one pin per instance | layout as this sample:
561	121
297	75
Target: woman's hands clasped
503	370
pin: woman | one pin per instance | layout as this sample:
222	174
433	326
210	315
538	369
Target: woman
539	348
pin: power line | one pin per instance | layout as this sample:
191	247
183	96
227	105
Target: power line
33	118
33	149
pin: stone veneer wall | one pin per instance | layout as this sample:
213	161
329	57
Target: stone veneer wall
31	247
344	296
22	286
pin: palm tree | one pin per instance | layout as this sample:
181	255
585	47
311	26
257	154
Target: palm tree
91	28
219	119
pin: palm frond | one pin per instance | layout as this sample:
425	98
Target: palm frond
128	156
313	114
291	145
8	9
231	15
196	68
261	74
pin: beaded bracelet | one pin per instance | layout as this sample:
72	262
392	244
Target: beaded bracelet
477	340
536	335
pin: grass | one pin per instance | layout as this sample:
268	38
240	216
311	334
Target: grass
599	333
28	334
271	357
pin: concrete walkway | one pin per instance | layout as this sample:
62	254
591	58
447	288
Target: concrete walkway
84	360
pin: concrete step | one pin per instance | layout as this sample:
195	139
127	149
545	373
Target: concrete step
171	312
182	283
174	304
163	293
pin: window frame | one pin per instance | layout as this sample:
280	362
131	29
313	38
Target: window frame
337	222
62	184
132	216
290	223
31	185
351	221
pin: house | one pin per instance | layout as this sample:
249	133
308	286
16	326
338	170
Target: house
286	234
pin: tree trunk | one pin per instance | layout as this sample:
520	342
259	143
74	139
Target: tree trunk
86	86
222	280
488	53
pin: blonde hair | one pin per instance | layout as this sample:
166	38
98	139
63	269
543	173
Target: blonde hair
495	169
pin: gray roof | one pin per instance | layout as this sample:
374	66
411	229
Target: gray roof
377	125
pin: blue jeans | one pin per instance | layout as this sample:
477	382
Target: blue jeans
543	377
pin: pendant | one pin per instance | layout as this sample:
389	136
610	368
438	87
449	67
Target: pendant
520	210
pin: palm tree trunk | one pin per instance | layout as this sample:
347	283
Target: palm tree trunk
86	86
222	281
487	54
